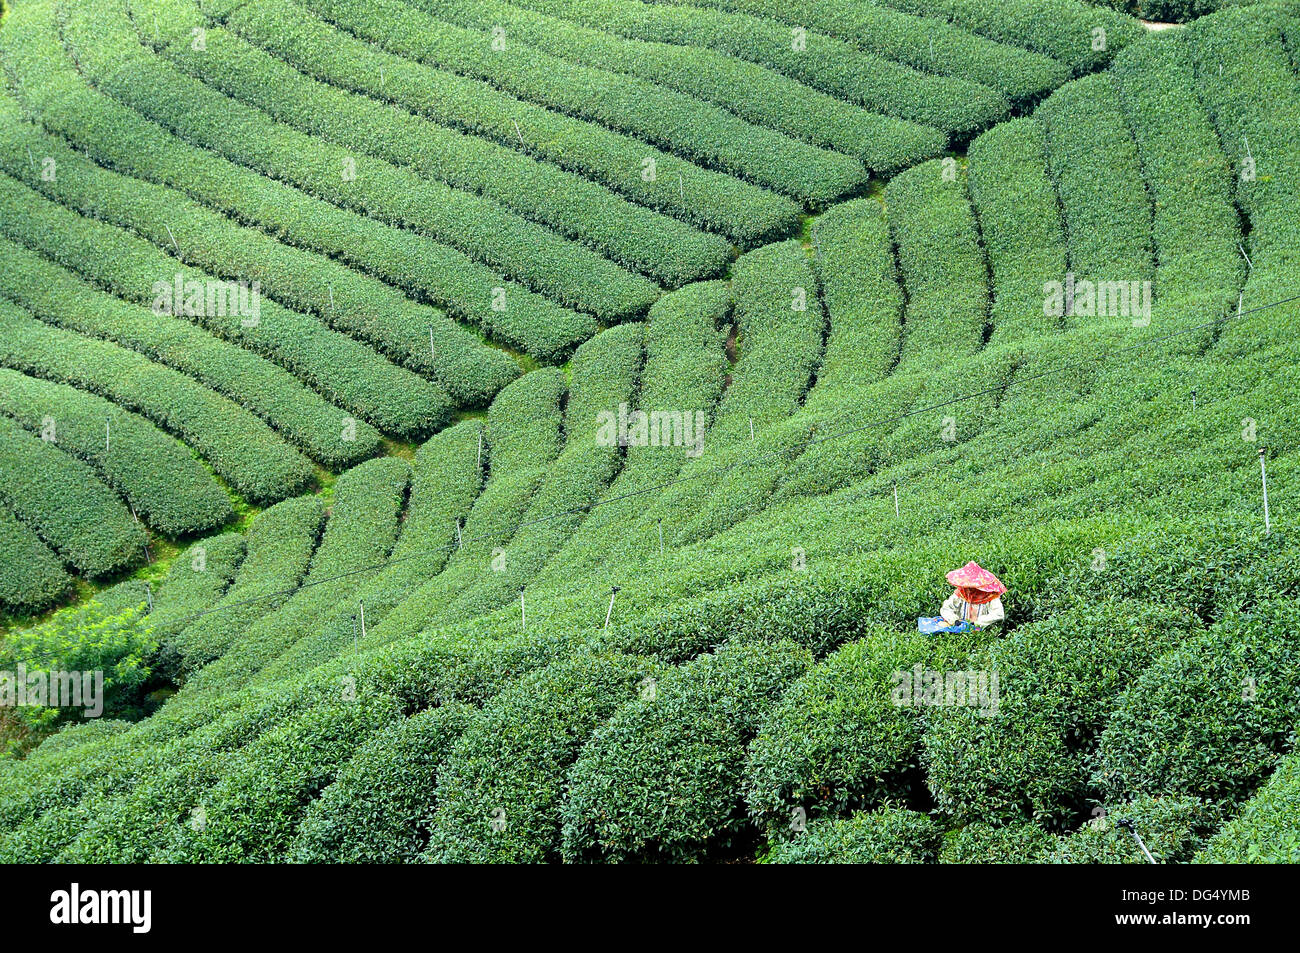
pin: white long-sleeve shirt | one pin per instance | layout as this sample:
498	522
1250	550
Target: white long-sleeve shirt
956	609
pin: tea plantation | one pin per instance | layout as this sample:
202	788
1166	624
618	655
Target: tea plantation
529	430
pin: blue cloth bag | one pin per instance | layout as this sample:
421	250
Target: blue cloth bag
930	625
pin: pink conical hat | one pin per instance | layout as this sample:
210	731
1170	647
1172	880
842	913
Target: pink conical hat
974	576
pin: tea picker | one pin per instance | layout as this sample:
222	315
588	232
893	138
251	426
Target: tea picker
974	603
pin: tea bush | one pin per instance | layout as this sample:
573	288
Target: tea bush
240	447
668	120
1264	831
31	577
1211	717
950	104
154	472
377	809
1173	829
922	43
62	298
1060	680
66	504
837	741
661	779
500	791
631	235
888	835
753	92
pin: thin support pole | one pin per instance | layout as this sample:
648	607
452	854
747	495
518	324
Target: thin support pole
523	612
363	617
895	498
458	539
1263	481
613	591
661	537
1128	826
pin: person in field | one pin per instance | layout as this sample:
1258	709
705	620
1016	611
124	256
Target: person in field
974	603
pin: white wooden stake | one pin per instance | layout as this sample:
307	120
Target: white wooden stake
751	428
432	353
172	236
517	132
148	592
331	299
480	450
1263	480
613	591
895	498
363	617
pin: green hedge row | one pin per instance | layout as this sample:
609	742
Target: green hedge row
337	295
685	367
1173	829
65	502
855	270
1265	830
31	577
502	789
663	778
1020	226
240	447
933	46
279	546
154	472
753	92
446	481
1094	162
981	843
117	136
779	326
208	118
780	322
942	264
1248	83
639	239
952	105
1210	719
1196	227
524	435
889	835
859	285
65	299
745	213
663	118
342	370
1061	29
1059	682
364	519
197	579
376	809
603	376
837	741
252	813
